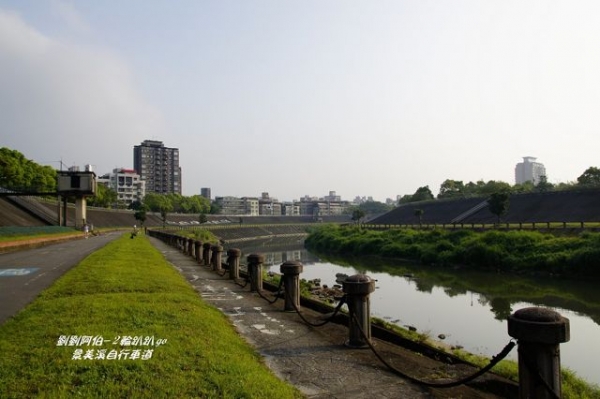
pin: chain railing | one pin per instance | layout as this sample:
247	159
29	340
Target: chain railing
540	330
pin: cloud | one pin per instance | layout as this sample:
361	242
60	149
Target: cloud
60	99
70	16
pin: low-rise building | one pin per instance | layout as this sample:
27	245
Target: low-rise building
238	206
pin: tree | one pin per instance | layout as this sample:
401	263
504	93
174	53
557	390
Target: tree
164	208
492	187
451	189
140	214
374	207
105	197
136	205
18	172
405	199
203	219
498	203
215	209
357	215
419	214
543	185
591	177
525	187
422	194
153	201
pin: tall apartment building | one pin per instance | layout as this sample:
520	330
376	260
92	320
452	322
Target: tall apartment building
158	166
529	170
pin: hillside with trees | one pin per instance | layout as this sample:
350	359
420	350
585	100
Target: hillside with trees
20	173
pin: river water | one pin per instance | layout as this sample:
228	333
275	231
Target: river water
468	308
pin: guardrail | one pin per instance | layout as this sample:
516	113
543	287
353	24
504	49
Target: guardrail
487	226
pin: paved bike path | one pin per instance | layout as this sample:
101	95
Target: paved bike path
26	273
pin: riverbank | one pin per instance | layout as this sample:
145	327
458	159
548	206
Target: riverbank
526	252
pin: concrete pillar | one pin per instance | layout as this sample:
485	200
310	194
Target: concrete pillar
198	251
357	289
190	248
255	262
539	332
291	284
233	260
80	212
206	254
217	252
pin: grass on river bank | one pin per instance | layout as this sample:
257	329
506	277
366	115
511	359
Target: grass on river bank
511	251
350	242
120	298
17	233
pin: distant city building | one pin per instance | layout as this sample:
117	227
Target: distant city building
158	166
269	206
290	209
330	205
529	170
238	206
126	183
205	192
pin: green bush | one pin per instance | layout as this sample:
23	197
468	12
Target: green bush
528	251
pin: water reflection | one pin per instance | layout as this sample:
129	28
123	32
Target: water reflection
468	307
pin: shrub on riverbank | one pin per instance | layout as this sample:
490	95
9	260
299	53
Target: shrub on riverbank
510	251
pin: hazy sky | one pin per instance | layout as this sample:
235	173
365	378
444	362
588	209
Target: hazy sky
369	98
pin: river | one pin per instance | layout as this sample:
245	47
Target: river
469	308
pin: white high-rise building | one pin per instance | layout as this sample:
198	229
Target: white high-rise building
529	170
127	184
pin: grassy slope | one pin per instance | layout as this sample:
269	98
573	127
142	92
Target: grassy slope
128	289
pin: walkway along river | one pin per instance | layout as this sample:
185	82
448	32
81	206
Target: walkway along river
467	309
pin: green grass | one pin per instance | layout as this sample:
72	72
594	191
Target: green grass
129	289
525	252
13	233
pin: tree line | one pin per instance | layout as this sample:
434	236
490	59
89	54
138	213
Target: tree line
18	173
458	189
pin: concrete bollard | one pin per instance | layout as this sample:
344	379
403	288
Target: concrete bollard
233	260
198	251
255	262
184	243
206	254
539	332
217	252
357	289
291	284
190	247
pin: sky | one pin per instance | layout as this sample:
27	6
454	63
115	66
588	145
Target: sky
364	98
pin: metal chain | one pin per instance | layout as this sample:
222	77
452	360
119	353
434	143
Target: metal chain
223	273
277	293
335	312
246	281
399	373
